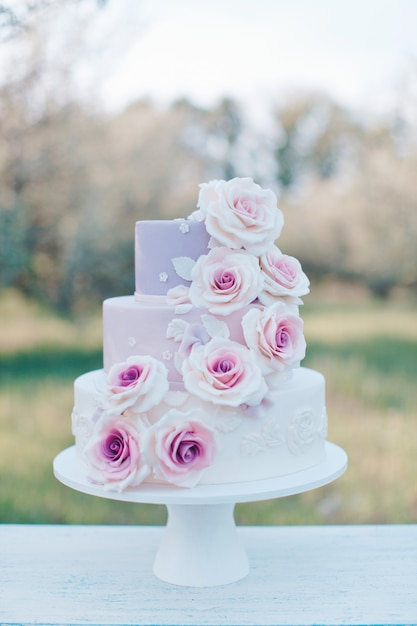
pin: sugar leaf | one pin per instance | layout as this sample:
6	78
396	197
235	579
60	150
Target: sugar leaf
183	266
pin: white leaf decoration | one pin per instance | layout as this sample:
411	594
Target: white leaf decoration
183	266
272	433
228	423
215	327
182	309
252	444
176	329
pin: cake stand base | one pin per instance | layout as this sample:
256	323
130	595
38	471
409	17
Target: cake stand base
200	546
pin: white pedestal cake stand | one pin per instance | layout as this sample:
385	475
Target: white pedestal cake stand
200	546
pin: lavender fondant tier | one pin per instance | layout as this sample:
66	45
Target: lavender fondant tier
287	438
156	244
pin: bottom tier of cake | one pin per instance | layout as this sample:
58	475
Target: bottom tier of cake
184	441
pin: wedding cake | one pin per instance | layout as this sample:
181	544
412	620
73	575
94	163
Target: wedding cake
202	382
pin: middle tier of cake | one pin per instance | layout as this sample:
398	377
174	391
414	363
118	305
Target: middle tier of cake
140	325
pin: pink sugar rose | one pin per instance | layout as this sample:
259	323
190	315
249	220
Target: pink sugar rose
275	337
240	214
284	278
224	372
224	281
113	455
180	447
137	385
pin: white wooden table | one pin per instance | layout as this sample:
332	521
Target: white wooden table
299	575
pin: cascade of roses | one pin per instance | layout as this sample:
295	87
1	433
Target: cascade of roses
244	271
244	265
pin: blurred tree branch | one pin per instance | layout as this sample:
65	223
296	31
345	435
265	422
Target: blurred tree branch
16	16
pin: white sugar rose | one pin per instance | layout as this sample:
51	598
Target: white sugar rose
224	372
138	384
283	278
275	337
240	214
224	281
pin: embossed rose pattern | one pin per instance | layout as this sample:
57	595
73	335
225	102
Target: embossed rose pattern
302	431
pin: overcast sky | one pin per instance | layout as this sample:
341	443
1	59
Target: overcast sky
257	50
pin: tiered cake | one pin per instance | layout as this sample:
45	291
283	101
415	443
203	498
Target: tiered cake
202	381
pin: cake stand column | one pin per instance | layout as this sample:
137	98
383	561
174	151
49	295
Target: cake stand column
200	547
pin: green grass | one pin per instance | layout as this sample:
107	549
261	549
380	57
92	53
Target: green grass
367	352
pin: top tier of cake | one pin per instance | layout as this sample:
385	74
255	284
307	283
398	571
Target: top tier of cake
157	243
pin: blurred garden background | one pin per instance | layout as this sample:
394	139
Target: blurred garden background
74	177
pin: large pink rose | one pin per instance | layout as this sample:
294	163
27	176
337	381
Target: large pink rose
240	214
138	384
224	372
275	337
284	277
113	455
224	281
180	446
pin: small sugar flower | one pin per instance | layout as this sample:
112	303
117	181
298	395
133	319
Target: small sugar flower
184	228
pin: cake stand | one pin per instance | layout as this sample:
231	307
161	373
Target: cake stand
200	546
